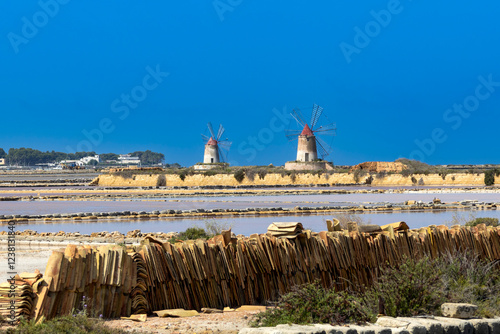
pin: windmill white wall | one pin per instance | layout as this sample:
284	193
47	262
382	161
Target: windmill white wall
211	155
306	149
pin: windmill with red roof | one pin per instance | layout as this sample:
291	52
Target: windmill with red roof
309	141
215	148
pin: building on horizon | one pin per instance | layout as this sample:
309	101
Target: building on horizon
127	159
86	160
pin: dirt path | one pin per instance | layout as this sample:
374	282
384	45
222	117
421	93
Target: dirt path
224	323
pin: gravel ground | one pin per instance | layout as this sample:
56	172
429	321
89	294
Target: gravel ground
224	323
27	260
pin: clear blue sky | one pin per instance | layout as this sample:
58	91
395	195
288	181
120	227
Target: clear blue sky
387	72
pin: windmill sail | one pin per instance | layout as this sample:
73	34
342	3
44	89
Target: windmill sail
211	129
215	149
315	115
297	115
309	142
220	132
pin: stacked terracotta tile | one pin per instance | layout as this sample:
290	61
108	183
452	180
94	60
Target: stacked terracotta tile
17	296
258	269
224	271
99	280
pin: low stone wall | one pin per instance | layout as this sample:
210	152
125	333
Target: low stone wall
388	325
173	180
308	166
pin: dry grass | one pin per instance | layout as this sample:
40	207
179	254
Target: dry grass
345	218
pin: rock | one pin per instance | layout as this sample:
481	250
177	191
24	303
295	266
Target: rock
176	313
210	310
458	310
369	228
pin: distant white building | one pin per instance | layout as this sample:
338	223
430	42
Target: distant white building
2	162
127	159
86	160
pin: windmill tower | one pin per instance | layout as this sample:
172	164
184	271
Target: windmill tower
306	148
215	148
309	141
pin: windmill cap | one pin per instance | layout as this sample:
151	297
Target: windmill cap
211	141
307	131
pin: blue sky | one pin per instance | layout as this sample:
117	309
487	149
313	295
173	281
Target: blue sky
405	78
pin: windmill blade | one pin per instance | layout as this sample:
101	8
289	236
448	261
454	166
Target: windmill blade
292	134
222	155
205	138
220	132
211	129
225	144
297	115
324	148
327	130
315	115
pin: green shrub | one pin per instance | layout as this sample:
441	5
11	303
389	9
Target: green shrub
418	167
75	324
184	172
443	172
412	288
214	227
459	218
406	172
310	303
126	174
468	279
415	287
162	181
369	180
191	233
488	221
358	173
262	173
239	175
250	174
489	177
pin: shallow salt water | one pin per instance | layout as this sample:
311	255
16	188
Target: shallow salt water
232	202
250	225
